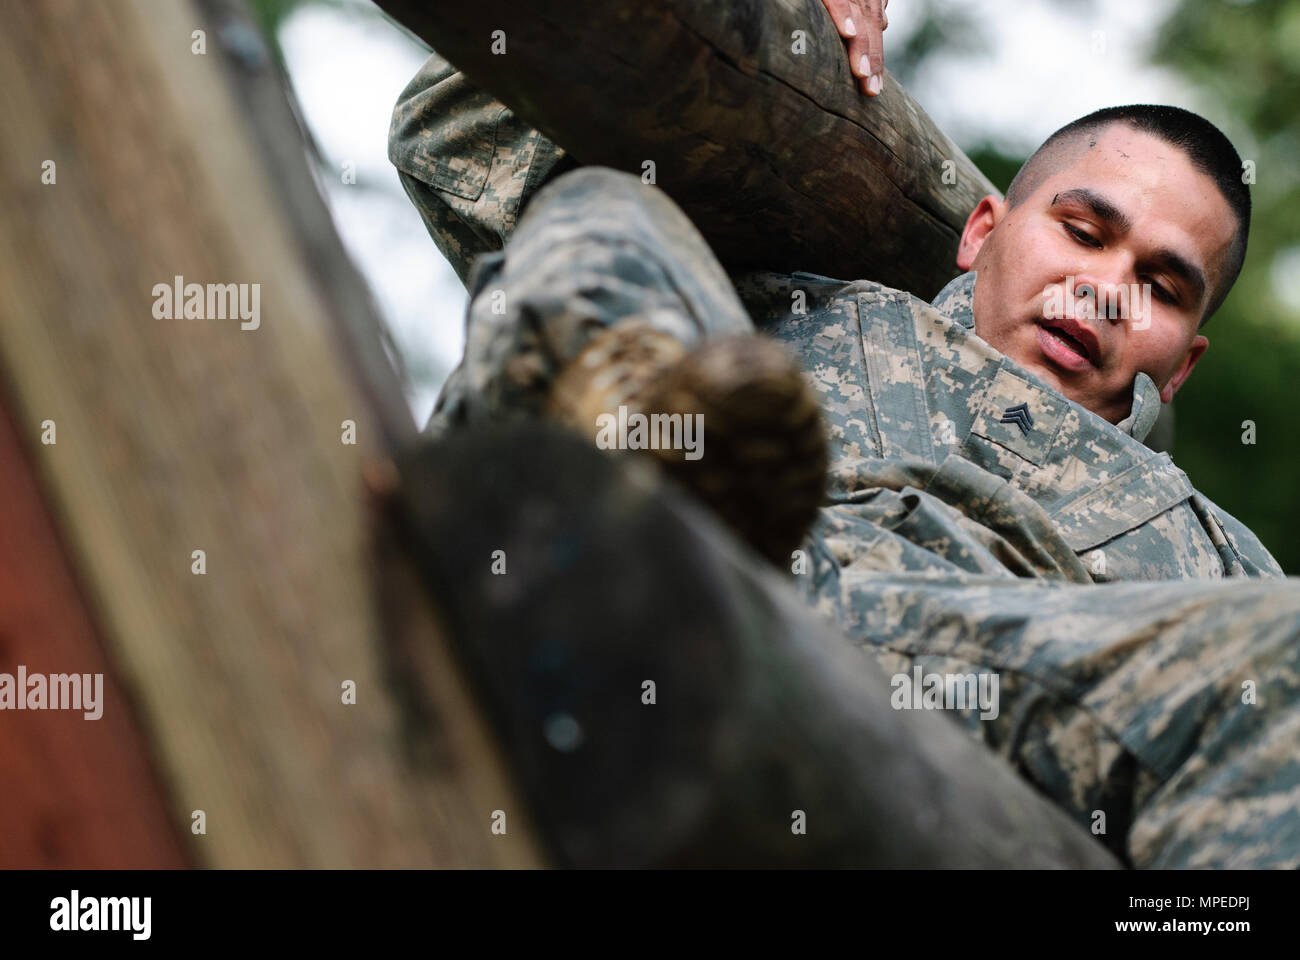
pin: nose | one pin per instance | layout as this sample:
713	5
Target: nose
1109	295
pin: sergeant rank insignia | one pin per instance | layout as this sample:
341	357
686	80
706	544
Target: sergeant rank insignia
1019	415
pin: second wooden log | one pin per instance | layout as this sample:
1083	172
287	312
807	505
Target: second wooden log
744	112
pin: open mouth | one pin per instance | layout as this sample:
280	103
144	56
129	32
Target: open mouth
1064	349
1069	341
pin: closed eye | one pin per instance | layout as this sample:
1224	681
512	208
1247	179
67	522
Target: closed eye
1083	236
1161	293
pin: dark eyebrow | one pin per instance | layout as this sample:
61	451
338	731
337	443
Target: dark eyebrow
1118	221
1099	205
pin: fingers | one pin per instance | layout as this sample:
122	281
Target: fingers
860	23
842	15
867	49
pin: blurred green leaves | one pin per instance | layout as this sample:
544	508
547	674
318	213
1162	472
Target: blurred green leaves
1243	61
271	13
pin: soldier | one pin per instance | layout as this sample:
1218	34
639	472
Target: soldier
987	464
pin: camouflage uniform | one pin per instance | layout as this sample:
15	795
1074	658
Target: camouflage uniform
958	534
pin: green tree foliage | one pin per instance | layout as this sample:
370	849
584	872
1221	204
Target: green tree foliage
1243	62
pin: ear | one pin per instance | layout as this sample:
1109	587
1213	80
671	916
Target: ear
987	214
1198	347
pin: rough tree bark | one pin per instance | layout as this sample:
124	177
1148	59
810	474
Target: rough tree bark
749	114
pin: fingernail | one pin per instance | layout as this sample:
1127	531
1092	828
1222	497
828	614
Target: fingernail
875	84
849	28
864	65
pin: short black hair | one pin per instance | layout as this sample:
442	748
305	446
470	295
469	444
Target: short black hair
1201	142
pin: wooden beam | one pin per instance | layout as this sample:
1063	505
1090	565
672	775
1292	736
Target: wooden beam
179	434
78	792
772	152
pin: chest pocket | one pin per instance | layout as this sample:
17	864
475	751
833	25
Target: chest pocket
898	409
1134	497
1021	431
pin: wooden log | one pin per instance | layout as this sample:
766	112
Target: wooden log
607	580
772	152
128	160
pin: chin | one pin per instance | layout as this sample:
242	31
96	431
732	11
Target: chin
1045	372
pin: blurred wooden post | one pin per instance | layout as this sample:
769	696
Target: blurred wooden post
76	793
226	436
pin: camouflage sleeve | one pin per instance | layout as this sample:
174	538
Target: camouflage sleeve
1249	549
466	161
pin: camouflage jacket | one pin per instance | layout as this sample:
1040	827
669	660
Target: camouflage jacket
948	457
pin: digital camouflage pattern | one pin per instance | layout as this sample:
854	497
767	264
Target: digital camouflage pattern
466	161
958	534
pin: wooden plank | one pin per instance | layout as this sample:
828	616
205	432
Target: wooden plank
76	791
176	435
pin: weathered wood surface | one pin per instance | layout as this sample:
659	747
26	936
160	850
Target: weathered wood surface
74	793
176	435
775	155
612	579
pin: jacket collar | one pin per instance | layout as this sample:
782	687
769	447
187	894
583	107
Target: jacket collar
957	301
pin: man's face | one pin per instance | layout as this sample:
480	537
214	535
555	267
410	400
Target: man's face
1131	209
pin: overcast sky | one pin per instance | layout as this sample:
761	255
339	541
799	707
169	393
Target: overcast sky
1051	63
